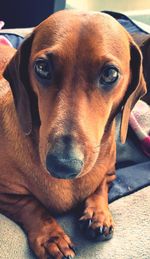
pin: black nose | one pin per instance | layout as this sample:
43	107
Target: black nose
65	160
63	168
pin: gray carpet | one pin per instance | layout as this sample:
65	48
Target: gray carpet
131	238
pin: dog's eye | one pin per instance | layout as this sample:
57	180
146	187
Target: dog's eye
42	68
109	76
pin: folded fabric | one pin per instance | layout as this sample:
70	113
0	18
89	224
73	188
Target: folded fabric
3	39
1	24
129	180
140	123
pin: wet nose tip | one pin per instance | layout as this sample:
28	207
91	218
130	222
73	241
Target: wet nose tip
73	163
65	158
64	168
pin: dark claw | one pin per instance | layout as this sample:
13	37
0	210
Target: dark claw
74	249
85	224
90	222
67	257
111	230
100	230
104	233
98	234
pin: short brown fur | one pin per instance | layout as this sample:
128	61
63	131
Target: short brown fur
74	105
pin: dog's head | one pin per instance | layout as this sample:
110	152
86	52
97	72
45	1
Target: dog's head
72	76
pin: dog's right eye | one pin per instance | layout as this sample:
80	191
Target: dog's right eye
109	76
42	68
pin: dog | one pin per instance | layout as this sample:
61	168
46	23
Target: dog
60	94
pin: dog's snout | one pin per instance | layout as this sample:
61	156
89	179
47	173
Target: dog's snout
65	160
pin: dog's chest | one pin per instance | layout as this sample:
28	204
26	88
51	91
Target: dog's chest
62	195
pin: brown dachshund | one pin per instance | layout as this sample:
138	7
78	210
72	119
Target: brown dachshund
69	80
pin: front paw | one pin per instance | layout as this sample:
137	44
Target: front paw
51	244
97	224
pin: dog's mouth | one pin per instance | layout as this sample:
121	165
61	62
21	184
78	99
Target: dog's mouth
63	168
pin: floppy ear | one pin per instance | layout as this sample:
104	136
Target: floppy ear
136	89
143	41
16	73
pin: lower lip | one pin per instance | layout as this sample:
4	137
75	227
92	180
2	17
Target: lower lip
63	178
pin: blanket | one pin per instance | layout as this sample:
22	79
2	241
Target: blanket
140	123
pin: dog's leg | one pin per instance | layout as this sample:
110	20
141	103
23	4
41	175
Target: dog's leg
97	222
45	236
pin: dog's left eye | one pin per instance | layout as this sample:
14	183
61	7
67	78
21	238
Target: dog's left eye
109	76
42	68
